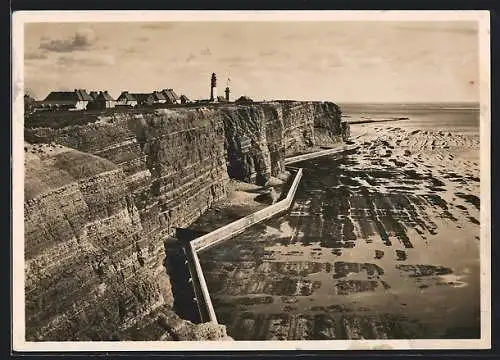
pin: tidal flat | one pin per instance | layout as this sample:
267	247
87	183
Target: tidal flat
381	243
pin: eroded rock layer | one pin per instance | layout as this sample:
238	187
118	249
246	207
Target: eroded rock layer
103	195
258	137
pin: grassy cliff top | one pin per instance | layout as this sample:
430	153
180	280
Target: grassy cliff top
49	166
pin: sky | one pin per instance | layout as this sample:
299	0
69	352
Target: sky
342	61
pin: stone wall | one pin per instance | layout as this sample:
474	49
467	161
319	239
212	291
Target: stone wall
104	196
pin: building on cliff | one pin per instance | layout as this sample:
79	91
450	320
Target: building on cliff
213	87
171	96
244	100
68	100
93	94
184	99
101	100
105	101
29	103
144	99
126	99
158	97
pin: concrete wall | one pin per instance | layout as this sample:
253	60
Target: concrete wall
242	224
205	306
224	233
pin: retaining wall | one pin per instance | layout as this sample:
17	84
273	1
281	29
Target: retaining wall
224	233
242	224
204	302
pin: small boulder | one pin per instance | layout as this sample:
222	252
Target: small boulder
269	197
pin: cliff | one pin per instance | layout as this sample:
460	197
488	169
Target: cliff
104	193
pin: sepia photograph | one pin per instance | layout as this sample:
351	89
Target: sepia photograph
225	180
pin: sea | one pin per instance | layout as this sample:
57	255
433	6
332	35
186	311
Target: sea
456	117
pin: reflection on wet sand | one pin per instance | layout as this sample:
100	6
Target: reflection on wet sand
380	243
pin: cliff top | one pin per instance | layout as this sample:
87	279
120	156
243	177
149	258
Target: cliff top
61	119
50	166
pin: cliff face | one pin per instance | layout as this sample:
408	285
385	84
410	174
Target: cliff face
102	197
258	137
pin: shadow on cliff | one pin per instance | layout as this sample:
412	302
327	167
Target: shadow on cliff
176	265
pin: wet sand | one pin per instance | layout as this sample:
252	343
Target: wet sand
380	243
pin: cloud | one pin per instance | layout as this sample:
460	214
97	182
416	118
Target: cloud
236	60
86	60
81	40
465	28
268	53
158	26
142	38
35	55
129	50
206	52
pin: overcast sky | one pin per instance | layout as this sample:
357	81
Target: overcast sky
338	61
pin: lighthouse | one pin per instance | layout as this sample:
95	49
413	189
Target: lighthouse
213	88
227	91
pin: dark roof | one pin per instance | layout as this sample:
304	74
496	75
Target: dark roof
127	96
77	95
142	97
184	98
93	95
244	99
104	95
82	95
61	96
170	95
158	96
28	99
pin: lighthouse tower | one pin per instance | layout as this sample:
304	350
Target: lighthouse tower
213	88
227	91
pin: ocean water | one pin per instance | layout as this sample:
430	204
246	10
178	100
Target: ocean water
369	250
449	117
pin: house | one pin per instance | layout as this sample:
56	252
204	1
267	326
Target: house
144	99
221	99
101	100
244	100
71	100
184	99
126	99
93	95
105	101
159	98
29	103
171	96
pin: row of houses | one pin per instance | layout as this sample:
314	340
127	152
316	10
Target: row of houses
79	99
